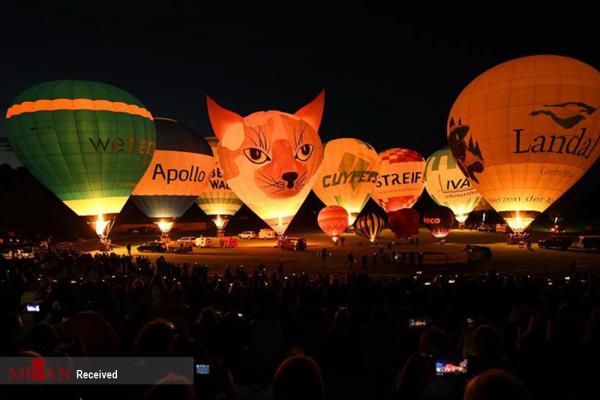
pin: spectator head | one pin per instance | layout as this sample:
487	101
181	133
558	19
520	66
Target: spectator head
43	339
208	319
341	321
434	342
495	384
483	342
172	386
417	373
155	338
298	378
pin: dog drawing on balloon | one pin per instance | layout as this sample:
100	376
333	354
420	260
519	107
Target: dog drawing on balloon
269	157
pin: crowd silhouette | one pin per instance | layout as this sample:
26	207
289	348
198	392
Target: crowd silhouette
271	335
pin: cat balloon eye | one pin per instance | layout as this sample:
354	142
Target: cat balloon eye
257	156
304	152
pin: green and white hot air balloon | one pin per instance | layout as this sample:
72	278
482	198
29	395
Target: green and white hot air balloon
448	186
88	142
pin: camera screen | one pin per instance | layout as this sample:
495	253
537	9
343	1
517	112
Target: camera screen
451	367
202	369
33	308
418	322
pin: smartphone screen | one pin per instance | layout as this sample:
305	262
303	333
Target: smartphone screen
419	322
33	307
451	367
202	369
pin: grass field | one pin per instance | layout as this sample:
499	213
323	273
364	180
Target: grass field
505	258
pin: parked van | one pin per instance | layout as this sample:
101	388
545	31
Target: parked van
267	234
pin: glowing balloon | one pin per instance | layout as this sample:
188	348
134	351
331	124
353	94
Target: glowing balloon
448	186
370	226
177	175
218	200
439	220
88	142
404	223
270	158
348	175
525	131
333	220
400	182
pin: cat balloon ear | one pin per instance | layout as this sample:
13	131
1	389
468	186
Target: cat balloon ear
313	111
221	119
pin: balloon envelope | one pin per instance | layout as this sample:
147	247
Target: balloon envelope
178	172
88	142
400	181
347	175
404	223
525	131
448	186
333	220
370	226
439	220
218	200
270	158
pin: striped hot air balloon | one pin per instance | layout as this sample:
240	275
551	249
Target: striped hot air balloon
177	175
218	200
87	142
400	181
370	226
448	186
333	220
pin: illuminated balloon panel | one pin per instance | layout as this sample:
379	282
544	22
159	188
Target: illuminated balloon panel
333	220
270	158
88	142
404	223
370	226
439	220
177	174
448	186
525	131
218	200
347	175
400	182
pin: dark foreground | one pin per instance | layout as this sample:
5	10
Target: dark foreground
246	322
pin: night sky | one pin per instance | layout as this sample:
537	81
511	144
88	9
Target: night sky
387	81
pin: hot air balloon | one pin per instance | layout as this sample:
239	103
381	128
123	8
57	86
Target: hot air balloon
400	181
348	175
177	175
218	200
370	226
333	220
525	131
404	223
270	158
448	186
88	142
439	220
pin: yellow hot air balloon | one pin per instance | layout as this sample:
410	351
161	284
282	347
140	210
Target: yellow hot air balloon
218	200
347	175
270	158
525	131
448	186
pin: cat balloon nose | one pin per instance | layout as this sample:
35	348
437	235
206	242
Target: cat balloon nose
290	178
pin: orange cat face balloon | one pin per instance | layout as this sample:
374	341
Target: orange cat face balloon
270	158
